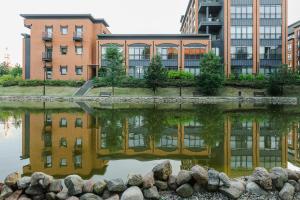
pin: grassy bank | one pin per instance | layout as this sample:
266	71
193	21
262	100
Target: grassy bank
37	91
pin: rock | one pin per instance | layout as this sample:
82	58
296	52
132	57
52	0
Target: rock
34	190
287	192
24	197
114	197
11	179
64	194
279	177
6	192
135	179
262	177
183	177
185	190
224	180
42	179
1	186
74	183
235	190
172	182
51	196
295	184
161	185
99	187
39	197
90	196
148	180
253	188
292	175
132	193
162	171
151	193
200	175
15	195
106	194
213	180
23	182
88	186
116	185
73	198
55	186
198	188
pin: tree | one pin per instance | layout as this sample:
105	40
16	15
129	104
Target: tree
211	76
16	71
115	65
155	74
4	69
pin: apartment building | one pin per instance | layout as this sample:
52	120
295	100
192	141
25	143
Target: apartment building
294	46
61	46
250	35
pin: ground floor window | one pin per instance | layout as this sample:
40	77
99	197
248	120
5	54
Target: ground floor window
78	70
48	73
267	70
137	71
241	70
195	70
172	68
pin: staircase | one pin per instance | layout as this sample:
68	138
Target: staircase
84	89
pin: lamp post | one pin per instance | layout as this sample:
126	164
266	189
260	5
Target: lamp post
44	85
180	88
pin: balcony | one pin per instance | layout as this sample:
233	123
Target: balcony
47	36
217	4
77	36
47	56
214	24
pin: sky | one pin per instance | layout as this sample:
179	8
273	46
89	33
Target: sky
123	16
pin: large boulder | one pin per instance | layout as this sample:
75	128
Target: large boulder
6	192
224	180
39	197
287	192
161	185
23	182
15	195
148	180
151	193
116	185
183	177
135	179
295	184
74	183
56	186
50	196
262	177
200	174
90	196
11	179
99	187
113	197
185	190
235	190
62	195
88	186
279	177
172	182
162	171
132	193
34	190
42	179
213	180
292	175
253	188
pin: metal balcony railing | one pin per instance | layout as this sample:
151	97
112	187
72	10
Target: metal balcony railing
47	56
77	36
47	36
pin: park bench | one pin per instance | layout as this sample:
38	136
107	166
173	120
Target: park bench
259	94
105	94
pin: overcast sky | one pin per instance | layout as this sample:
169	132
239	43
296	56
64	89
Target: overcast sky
123	16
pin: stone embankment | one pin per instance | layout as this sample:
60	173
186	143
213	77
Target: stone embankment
158	100
199	183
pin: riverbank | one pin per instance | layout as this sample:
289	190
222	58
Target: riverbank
160	183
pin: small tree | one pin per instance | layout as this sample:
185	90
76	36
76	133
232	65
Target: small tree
16	71
115	65
4	69
211	76
156	73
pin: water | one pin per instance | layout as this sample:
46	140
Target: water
110	141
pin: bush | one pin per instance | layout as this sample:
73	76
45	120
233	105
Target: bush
180	75
210	83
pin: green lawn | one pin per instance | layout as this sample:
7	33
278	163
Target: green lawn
37	91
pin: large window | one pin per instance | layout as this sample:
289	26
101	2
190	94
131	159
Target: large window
270	32
241	12
241	53
139	53
270	11
137	71
193	53
104	49
241	32
168	53
270	52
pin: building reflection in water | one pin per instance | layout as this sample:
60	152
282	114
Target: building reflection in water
64	143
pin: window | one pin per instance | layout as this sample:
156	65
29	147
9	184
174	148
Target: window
79	50
241	12
139	53
216	50
193	53
289	56
270	32
78	70
63	122
48	161
49	31
63	70
63	50
168	53
78	122
104	48
290	47
49	73
241	32
270	11
64	30
270	52
241	53
137	71
78	142
63	142
79	30
63	162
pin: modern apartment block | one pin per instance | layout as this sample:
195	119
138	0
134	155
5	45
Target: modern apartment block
294	45
250	35
61	46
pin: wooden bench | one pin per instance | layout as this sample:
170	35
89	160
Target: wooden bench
259	94
105	94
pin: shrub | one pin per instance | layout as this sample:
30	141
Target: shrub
246	77
180	75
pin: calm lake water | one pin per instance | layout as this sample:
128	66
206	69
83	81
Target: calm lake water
110	141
